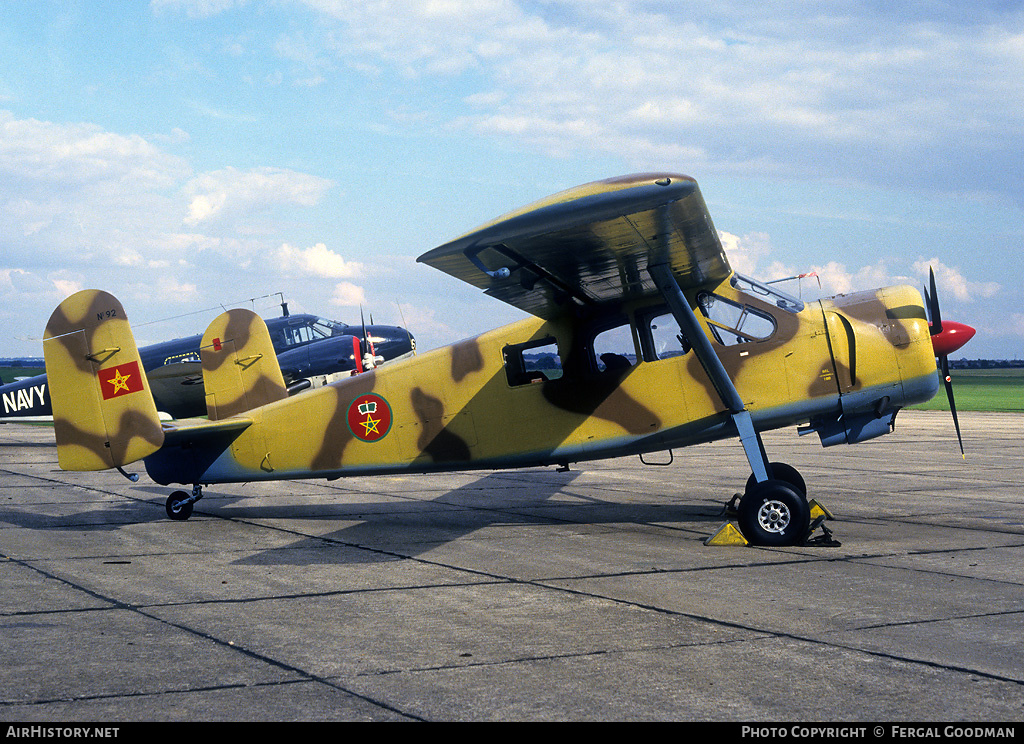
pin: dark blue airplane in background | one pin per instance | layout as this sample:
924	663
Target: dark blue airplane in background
311	350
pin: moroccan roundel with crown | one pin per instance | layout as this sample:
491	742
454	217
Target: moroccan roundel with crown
369	417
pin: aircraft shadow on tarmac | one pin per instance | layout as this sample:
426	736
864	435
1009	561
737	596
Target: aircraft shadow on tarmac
391	529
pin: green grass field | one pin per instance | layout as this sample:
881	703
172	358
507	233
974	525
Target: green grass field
975	389
982	390
7	374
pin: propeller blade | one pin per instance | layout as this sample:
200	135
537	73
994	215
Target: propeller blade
945	340
933	304
366	344
362	320
948	381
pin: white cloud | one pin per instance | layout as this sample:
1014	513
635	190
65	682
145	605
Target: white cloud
1015	326
81	207
347	294
230	189
949	279
196	8
317	260
28	286
67	287
176	292
751	254
841	92
77	155
746	253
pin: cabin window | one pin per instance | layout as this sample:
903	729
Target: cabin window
322	328
660	337
732	323
295	335
532	362
614	349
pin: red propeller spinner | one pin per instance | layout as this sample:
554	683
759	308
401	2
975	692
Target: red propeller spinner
951	337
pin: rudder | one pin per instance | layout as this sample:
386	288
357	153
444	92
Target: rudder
240	369
103	411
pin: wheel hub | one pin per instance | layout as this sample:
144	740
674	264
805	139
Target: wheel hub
773	516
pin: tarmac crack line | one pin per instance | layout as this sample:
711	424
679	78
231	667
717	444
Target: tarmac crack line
762	633
255	655
796	637
712	621
716	622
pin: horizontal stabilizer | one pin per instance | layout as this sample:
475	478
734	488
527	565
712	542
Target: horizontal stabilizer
240	368
103	411
190	447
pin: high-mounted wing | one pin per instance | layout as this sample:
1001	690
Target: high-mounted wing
590	245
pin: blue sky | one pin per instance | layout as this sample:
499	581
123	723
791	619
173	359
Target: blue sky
185	154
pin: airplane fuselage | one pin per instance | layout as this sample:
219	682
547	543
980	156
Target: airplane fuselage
542	392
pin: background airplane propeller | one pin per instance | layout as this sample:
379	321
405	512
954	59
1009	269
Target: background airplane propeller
946	338
370	357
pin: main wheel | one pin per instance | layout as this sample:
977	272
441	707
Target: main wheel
774	513
179	506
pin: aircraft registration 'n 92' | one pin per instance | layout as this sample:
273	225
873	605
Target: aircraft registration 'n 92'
642	339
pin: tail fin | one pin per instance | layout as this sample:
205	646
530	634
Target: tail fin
103	411
240	369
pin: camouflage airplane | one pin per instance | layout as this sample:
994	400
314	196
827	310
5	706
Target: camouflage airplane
311	350
642	339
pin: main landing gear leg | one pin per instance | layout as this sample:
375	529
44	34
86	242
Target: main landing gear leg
179	504
772	512
773	509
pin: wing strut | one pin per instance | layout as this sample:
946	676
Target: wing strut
661	273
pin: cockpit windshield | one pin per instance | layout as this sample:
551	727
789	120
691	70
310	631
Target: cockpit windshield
760	289
302	330
325	328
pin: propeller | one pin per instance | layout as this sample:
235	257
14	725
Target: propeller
370	358
946	338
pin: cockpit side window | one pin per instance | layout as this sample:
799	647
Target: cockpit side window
766	293
660	337
300	334
732	323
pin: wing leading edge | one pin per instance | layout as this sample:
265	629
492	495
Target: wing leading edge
590	245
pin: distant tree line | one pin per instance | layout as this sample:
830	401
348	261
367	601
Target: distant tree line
986	363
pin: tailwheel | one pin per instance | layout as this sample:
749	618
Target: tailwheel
179	504
774	513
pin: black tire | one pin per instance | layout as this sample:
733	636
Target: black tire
785	473
773	513
178	507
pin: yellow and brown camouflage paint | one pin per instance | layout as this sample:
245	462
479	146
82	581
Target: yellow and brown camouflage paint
472	417
95	427
877	332
240	369
455	407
